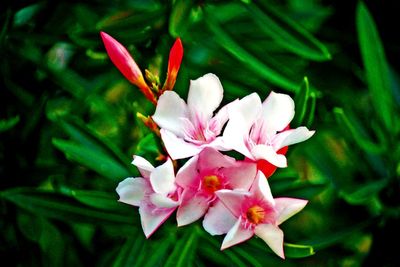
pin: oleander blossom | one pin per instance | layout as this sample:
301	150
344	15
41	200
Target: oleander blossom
257	212
155	193
200	177
186	129
260	131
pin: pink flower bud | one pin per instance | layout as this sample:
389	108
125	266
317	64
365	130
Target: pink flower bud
126	65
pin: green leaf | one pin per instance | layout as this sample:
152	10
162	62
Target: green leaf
290	250
183	250
301	100
311	112
148	146
87	137
334	236
8	124
180	18
365	192
376	66
61	207
350	125
286	32
247	59
130	251
102	163
97	199
160	251
298	251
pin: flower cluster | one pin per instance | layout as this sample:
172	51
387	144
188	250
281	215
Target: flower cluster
233	196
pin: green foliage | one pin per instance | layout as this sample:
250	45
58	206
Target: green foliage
68	127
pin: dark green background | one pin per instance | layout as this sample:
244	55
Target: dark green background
68	126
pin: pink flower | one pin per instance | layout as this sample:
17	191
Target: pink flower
257	212
188	128
200	177
156	193
126	65
259	130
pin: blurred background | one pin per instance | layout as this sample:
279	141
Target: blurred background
68	126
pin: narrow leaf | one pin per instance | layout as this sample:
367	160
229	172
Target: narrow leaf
364	192
102	163
287	32
359	136
8	124
183	250
247	59
301	100
376	66
57	206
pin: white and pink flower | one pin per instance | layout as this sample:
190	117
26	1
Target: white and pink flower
186	129
200	178
155	193
257	212
260	131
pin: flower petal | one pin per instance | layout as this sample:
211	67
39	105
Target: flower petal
241	175
151	219
268	153
232	199
163	179
205	95
292	136
287	207
218	219
163	201
192	208
211	158
132	190
187	173
273	236
278	111
242	115
145	167
237	234
176	147
169	113
261	189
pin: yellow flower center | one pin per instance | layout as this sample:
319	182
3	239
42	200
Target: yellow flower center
255	214
211	183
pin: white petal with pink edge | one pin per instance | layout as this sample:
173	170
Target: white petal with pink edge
187	173
241	175
271	235
287	207
292	136
151	220
237	234
232	199
132	190
261	189
163	179
176	147
205	95
145	167
218	219
169	111
268	153
191	209
163	201
278	111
